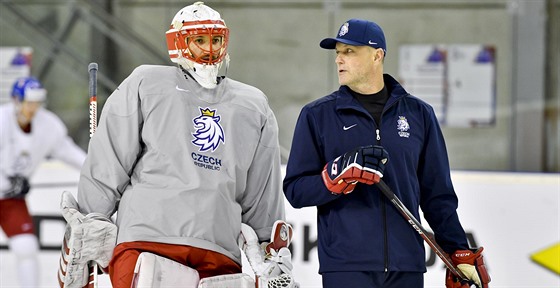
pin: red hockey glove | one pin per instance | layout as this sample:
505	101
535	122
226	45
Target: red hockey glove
471	263
363	164
453	282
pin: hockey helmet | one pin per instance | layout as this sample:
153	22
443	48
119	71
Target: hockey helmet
197	20
28	89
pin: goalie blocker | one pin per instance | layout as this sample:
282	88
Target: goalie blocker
88	243
271	263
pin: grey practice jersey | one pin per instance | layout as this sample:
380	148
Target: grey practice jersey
183	164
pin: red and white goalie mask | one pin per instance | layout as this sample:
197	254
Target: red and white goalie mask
197	40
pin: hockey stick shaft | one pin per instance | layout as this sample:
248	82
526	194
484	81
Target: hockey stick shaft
409	217
92	267
92	70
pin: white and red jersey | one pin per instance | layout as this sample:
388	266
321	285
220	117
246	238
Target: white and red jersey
183	164
21	153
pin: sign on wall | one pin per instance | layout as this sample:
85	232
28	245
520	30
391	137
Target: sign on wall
459	81
15	62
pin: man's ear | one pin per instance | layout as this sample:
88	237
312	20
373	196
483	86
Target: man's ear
379	55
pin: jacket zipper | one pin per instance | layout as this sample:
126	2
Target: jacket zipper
383	199
383	210
383	203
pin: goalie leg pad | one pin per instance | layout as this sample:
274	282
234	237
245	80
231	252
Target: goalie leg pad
153	271
87	239
238	280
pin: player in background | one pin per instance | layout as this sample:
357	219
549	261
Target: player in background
184	157
29	134
340	148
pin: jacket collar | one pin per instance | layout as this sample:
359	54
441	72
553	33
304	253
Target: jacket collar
345	100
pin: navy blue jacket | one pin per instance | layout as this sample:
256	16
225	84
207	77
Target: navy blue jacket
362	231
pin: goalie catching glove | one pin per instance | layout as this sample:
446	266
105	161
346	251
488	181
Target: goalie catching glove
364	164
471	264
271	262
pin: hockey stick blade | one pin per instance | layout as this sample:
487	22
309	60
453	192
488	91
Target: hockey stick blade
409	217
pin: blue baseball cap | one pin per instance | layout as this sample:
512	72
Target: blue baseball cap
357	32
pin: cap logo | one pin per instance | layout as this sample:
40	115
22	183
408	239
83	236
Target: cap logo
343	29
372	43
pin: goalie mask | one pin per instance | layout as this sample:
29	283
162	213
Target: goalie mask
197	40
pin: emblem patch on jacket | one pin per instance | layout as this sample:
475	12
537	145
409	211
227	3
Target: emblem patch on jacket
403	127
208	131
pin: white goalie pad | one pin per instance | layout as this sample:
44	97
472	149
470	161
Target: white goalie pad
153	271
239	280
88	240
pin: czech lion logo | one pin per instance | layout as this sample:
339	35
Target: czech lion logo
403	127
402	124
208	132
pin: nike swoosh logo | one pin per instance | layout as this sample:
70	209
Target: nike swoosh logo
184	90
372	43
349	127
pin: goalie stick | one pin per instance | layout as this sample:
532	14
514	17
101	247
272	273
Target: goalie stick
93	269
92	71
409	217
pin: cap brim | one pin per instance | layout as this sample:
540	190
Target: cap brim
330	43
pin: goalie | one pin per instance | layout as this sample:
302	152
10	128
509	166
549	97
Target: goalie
185	157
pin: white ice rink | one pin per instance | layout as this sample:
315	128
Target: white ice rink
513	215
